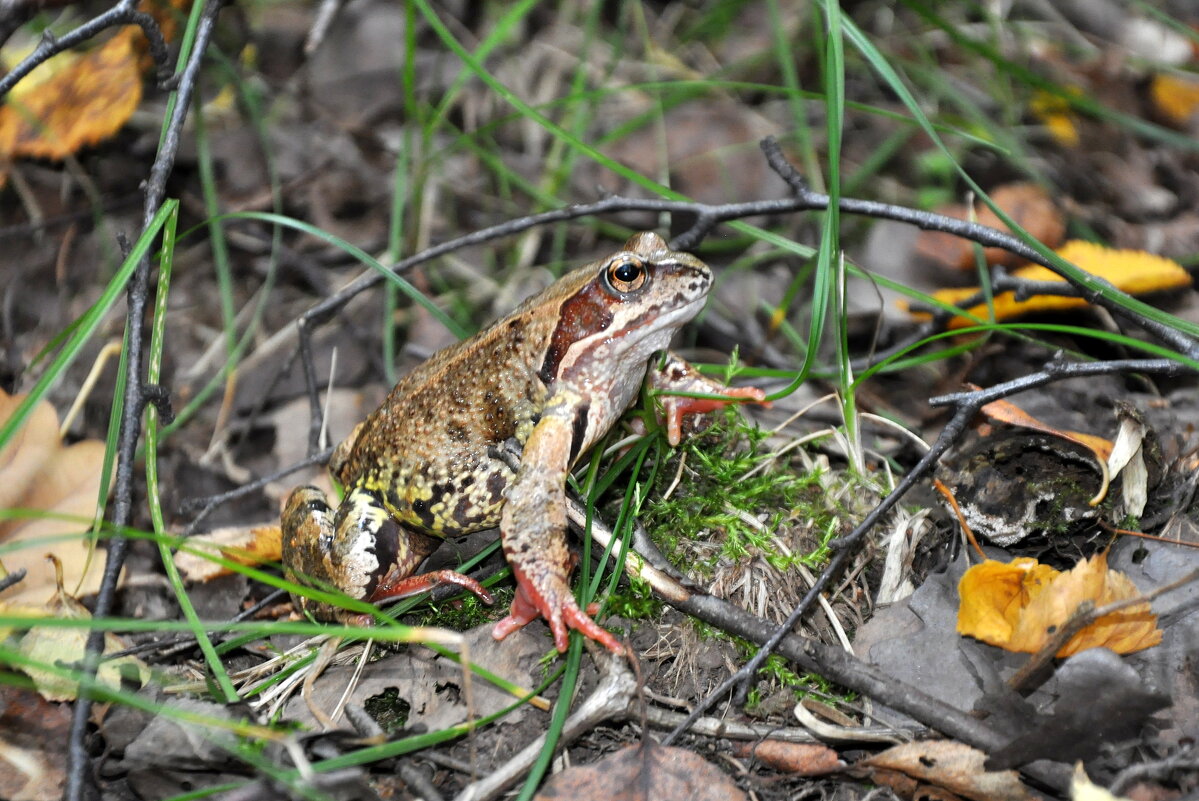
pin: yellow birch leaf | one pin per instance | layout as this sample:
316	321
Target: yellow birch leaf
1132	271
81	105
994	595
1019	606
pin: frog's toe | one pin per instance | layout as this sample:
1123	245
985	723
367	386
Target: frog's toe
414	585
554	602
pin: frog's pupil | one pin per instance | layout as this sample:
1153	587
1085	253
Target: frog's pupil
627	272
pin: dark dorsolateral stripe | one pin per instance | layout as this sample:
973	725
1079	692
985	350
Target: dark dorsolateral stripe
581	315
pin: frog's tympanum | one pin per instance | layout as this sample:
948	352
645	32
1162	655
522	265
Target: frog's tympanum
484	433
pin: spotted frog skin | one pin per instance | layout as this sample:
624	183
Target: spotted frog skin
484	434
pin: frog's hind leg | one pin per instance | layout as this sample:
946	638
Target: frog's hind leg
411	549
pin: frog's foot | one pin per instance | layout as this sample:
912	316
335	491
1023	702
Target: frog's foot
414	585
675	407
676	375
552	599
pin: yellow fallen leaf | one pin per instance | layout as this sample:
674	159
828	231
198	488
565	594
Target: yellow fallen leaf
995	594
245	546
1132	271
83	104
1176	97
1055	112
1018	606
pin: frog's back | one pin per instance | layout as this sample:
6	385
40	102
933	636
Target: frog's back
432	449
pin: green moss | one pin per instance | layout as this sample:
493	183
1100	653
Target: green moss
463	613
635	601
737	496
389	710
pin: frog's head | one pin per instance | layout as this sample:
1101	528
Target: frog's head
621	309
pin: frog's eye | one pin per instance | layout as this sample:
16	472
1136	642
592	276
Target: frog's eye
625	275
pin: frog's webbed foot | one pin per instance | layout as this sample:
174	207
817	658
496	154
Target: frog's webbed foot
676	375
550	597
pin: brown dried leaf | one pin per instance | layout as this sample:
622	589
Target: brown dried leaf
37	472
1026	203
800	759
950	765
646	772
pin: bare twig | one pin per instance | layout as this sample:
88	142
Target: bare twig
123	13
135	391
207	504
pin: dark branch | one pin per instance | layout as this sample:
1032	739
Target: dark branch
130	432
123	13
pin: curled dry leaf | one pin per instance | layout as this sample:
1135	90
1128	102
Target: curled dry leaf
1019	605
1132	271
1026	203
945	764
39	473
1008	412
53	645
642	773
798	759
243	546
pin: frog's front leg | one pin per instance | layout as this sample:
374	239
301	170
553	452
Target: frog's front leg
533	530
676	375
361	551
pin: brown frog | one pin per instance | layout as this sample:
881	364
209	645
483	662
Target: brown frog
485	432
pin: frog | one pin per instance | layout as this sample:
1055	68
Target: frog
485	432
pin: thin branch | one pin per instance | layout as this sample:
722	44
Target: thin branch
707	216
207	504
983	235
134	400
123	13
